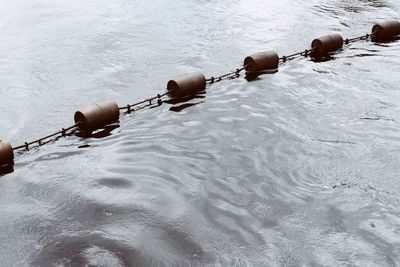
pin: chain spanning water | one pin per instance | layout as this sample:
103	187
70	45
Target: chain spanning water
129	108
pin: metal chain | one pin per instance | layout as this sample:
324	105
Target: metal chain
139	105
62	133
359	38
295	55
230	75
129	108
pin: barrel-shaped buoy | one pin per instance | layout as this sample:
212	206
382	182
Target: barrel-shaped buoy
327	43
267	60
187	84
6	153
386	30
97	116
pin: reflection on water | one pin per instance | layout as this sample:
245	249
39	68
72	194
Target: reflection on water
179	104
295	168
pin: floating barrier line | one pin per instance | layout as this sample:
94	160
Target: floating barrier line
105	113
131	107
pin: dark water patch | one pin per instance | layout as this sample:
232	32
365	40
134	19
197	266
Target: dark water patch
377	118
342	9
114	182
183	244
80	251
324	71
334	141
57	155
385	250
336	220
361	55
328	9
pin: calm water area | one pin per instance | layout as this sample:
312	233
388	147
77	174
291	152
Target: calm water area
296	168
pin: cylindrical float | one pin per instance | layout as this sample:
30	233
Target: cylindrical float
386	30
187	84
97	116
6	153
267	60
327	43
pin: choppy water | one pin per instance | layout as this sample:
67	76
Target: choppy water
299	168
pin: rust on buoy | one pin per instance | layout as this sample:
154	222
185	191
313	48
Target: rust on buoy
6	153
267	60
327	43
386	30
187	84
97	116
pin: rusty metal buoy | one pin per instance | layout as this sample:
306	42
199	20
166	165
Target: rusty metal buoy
267	60
327	43
386	30
6	153
97	116
187	84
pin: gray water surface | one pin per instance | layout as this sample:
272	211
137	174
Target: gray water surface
298	168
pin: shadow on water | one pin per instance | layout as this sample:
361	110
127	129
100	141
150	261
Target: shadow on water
106	131
98	248
321	57
251	76
7	169
181	103
182	107
89	250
